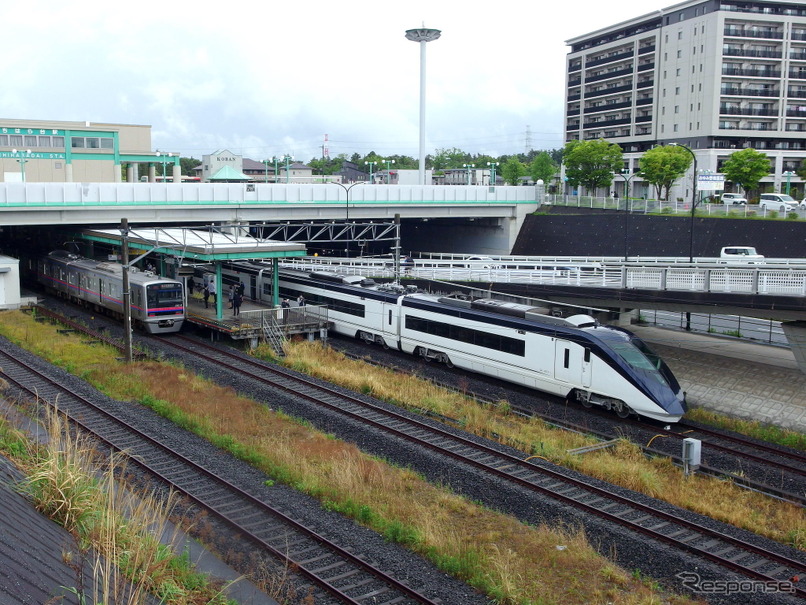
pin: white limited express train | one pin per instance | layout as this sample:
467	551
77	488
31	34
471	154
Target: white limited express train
574	357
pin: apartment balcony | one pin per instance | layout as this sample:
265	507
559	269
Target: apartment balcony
749	92
575	66
797	55
575	82
738	32
795	93
572	112
753	72
607	107
611	74
796	113
645	83
646	66
640	119
611	59
606	91
747	111
749	52
604	123
574	97
797	74
646	49
644	101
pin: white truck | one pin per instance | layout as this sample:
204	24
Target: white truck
741	254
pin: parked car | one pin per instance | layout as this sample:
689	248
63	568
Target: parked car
779	202
733	198
741	254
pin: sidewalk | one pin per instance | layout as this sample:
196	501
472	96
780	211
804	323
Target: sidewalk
734	377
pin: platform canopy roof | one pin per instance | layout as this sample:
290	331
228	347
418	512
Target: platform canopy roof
204	245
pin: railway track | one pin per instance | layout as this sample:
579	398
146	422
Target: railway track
541	478
743	450
331	570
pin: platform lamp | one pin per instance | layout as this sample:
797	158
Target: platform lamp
22	159
288	159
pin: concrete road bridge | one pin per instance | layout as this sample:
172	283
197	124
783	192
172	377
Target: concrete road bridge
501	210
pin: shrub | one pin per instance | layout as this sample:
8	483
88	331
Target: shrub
792	216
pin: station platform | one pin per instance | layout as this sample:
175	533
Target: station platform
249	323
732	376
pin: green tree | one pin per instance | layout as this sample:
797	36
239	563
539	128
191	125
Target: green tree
662	166
512	171
543	168
449	158
591	164
746	167
188	165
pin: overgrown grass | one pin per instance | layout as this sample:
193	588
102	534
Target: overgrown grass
506	559
116	531
751	428
625	465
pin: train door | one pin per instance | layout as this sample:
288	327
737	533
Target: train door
390	323
572	363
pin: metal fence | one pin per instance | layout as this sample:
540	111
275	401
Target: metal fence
648	206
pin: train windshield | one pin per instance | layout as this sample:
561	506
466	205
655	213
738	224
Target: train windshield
640	357
165	295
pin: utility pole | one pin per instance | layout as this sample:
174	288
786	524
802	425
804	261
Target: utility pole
127	301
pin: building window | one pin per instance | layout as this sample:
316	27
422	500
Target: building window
15	140
677	90
677	72
58	141
675	127
677	108
680	34
4	140
679	54
30	141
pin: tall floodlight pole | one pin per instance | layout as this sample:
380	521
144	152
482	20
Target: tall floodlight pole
422	35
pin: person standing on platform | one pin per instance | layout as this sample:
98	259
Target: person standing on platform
237	299
211	287
231	296
285	306
206	295
191	285
241	288
301	301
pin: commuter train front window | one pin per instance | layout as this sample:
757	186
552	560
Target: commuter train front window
164	295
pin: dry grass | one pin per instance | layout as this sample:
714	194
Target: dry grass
625	465
116	531
510	561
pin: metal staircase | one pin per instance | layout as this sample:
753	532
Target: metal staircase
273	334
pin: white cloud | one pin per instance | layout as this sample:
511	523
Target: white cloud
270	78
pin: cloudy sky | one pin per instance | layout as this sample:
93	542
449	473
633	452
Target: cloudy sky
269	78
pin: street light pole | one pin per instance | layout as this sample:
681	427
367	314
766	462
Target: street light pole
468	167
423	36
389	171
492	166
164	158
693	202
788	174
347	189
287	159
266	164
370	164
623	174
22	160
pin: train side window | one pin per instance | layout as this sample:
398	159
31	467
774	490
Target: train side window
587	355
567	358
390	317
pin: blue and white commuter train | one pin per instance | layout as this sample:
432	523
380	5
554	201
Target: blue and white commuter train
157	303
574	357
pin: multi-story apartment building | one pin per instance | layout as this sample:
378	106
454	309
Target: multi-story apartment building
714	75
